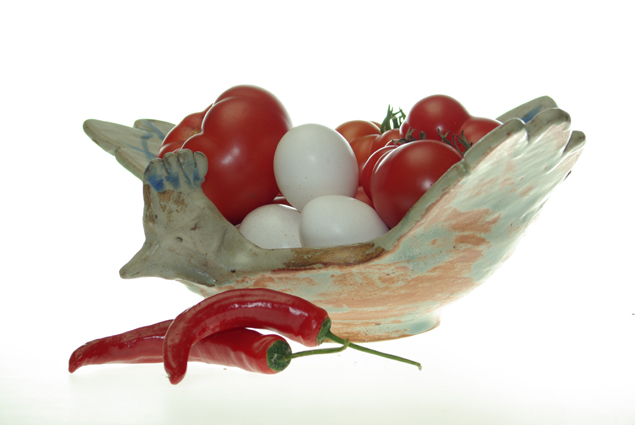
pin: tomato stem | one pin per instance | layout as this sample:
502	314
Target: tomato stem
410	138
392	120
444	139
456	140
336	338
463	140
385	124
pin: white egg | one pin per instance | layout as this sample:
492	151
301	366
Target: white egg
313	160
338	220
272	226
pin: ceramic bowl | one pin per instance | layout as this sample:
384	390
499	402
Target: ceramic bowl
394	286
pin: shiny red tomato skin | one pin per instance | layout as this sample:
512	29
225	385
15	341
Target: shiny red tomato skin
433	114
259	95
188	127
191	124
361	148
369	167
405	174
169	147
354	129
239	138
475	128
384	138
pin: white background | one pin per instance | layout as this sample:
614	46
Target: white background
549	339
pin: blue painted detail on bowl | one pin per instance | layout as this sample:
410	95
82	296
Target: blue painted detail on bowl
153	132
531	114
192	173
173	180
154	129
156	181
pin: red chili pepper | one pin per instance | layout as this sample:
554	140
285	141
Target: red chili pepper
291	316
143	345
246	349
240	347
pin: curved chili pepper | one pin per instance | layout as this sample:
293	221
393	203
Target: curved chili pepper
243	348
291	316
142	345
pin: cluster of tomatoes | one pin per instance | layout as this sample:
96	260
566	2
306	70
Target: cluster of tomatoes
398	165
311	185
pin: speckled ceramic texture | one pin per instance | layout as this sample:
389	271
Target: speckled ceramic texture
394	286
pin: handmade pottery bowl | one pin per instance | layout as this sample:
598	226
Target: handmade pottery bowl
394	286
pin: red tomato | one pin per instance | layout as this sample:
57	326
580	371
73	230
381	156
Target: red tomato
386	137
369	167
259	95
475	128
405	174
364	146
169	147
188	127
361	148
352	130
433	114
239	137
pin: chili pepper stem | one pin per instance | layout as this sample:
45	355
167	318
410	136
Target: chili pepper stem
319	351
336	338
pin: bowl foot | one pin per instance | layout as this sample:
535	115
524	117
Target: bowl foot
376	331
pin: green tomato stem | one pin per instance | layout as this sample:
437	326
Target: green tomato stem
392	120
385	125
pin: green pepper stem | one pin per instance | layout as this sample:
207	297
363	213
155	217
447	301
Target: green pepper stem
336	338
345	344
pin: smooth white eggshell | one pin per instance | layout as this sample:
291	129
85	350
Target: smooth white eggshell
272	226
313	160
338	220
